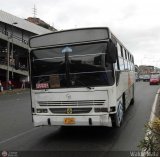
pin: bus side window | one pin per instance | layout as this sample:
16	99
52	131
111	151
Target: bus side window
116	66
126	64
117	71
129	65
119	50
125	54
122	55
117	60
132	66
121	63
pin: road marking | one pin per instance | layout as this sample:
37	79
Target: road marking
21	134
152	116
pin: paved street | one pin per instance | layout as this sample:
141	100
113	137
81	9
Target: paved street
17	132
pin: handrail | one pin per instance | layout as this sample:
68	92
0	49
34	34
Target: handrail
14	36
21	67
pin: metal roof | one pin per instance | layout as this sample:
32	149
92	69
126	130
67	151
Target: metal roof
21	23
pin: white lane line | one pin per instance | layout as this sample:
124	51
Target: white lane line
21	134
152	116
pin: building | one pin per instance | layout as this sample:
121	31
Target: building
146	69
14	35
40	22
137	70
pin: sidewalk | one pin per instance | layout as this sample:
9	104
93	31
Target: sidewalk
151	141
18	90
156	107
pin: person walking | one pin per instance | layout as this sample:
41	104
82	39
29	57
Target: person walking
1	87
9	85
23	84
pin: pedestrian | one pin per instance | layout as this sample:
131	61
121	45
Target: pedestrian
9	85
1	87
23	84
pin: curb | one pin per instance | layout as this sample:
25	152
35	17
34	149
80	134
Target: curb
12	91
153	116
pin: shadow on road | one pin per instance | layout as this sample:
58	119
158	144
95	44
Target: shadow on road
80	138
84	137
75	133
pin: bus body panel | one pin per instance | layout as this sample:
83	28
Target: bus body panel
69	37
125	85
99	120
73	99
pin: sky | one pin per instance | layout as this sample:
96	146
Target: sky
134	22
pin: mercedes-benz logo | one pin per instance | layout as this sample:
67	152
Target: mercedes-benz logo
68	96
69	111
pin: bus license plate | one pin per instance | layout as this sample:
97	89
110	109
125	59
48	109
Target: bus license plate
69	120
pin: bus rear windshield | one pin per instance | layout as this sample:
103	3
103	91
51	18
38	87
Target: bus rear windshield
71	66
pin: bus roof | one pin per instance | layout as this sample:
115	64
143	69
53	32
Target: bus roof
65	37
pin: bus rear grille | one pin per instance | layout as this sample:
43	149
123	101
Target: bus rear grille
72	103
70	110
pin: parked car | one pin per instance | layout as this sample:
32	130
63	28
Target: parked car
155	79
146	78
140	77
137	77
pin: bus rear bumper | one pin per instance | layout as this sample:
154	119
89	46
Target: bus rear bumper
98	120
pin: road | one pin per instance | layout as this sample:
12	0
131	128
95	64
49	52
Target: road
17	132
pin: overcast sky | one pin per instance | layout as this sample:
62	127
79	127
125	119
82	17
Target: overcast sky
135	22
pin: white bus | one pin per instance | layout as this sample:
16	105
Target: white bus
80	77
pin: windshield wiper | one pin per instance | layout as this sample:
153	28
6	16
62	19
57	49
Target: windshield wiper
84	85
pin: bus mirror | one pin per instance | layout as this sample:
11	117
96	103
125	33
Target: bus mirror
111	53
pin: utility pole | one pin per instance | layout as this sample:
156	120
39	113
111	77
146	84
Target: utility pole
8	54
34	11
14	23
